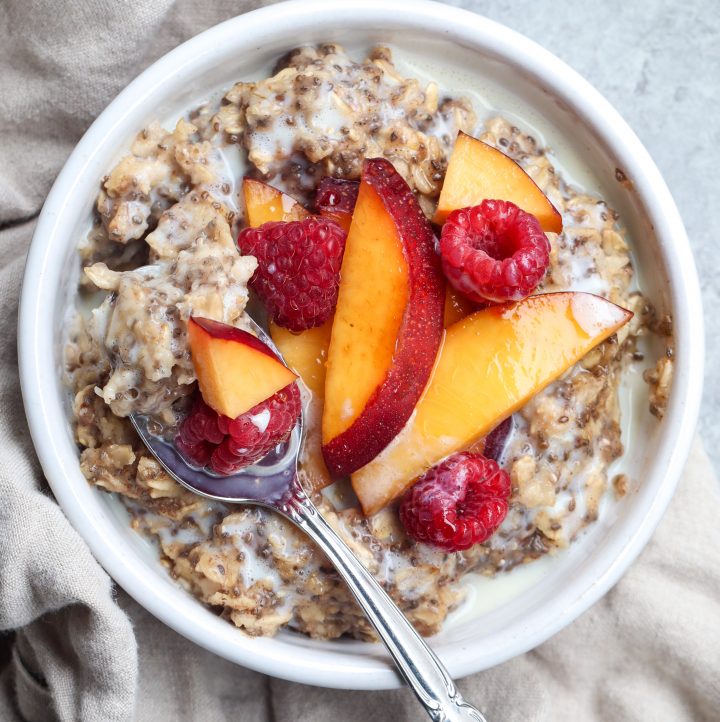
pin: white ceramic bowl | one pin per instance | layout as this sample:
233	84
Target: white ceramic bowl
537	86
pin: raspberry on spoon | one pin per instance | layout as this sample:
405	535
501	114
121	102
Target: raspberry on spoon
226	445
458	503
298	271
494	251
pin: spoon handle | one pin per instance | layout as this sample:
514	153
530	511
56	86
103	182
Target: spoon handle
417	663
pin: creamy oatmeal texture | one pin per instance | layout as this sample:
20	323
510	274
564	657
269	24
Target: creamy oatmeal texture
142	322
162	249
323	114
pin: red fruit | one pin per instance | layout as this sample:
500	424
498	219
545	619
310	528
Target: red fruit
298	270
388	324
458	503
199	453
497	439
494	251
335	195
226	445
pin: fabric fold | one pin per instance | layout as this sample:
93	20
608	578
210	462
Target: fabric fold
51	588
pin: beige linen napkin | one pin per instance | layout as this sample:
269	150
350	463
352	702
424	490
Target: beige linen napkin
649	650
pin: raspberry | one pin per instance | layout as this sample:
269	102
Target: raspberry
198	453
227	445
458	503
336	195
494	251
298	270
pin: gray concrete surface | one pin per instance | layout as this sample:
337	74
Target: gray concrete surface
658	63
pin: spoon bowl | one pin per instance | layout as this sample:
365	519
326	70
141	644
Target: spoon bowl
271	482
263	483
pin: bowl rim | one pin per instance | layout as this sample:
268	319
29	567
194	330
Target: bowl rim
38	372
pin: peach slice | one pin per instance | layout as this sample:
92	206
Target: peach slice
306	354
388	321
457	306
490	364
342	219
265	203
477	171
235	370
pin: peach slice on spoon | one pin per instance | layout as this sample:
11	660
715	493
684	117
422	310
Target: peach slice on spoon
235	370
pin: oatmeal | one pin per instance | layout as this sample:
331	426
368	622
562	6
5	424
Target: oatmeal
323	113
159	170
141	324
162	249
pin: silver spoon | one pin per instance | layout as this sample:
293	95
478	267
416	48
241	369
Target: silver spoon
273	484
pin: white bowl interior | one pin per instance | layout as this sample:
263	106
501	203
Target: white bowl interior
461	51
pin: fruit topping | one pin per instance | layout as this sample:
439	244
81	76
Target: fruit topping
457	306
306	353
226	445
335	198
263	204
477	172
298	269
490	364
496	440
388	322
458	503
494	251
235	370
